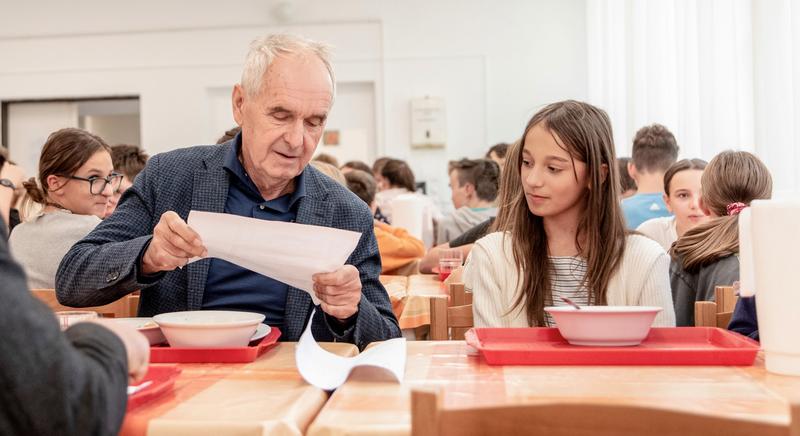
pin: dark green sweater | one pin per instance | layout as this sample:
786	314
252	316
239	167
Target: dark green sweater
689	287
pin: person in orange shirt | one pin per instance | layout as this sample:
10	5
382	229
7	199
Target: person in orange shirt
398	249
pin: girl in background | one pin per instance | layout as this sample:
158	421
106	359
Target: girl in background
563	233
76	179
682	197
707	255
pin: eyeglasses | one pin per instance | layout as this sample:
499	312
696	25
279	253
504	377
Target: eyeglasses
98	184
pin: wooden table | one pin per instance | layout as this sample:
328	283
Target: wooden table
366	408
267	396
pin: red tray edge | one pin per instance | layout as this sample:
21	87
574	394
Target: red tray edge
742	355
160	354
166	380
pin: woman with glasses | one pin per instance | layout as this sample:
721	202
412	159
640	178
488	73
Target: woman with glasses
76	179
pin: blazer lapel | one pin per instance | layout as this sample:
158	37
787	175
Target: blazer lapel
314	210
209	195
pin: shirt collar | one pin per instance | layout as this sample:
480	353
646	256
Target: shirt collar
234	166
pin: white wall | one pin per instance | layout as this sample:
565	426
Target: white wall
495	63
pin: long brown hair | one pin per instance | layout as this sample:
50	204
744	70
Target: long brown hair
731	177
63	153
585	133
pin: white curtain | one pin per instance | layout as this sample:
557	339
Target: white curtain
776	31
682	63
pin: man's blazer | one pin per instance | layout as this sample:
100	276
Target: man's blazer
103	267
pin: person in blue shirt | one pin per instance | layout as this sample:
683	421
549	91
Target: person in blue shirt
654	150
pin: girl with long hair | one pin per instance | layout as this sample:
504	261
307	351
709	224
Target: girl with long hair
560	229
76	179
707	255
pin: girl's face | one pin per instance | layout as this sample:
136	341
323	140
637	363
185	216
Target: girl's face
683	200
381	182
75	196
554	182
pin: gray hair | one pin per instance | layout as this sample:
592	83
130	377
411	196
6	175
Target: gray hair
264	50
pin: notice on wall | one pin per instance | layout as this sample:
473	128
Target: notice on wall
428	122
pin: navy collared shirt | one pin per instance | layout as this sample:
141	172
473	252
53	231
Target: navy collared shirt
230	286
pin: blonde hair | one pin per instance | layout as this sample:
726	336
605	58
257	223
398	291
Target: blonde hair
731	177
265	49
330	171
584	131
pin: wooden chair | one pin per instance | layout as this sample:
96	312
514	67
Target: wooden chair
133	304
429	418
716	313
118	309
451	315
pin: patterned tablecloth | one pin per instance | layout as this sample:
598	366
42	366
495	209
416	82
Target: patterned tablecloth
411	297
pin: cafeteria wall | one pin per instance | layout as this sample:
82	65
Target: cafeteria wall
494	63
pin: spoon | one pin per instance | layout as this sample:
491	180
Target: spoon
134	389
570	302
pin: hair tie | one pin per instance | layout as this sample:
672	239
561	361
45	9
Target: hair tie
735	208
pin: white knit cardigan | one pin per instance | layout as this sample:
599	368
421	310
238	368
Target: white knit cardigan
642	279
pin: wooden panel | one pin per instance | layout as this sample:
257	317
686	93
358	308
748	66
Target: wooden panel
705	314
457	294
725	298
438	319
117	309
589	417
723	319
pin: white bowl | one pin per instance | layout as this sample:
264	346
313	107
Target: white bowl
146	326
208	328
604	326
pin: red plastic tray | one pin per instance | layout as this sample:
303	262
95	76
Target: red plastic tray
167	354
663	346
162	378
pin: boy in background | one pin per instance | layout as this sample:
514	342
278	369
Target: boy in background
654	150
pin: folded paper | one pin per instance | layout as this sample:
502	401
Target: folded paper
288	252
328	371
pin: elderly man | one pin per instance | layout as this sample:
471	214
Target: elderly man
281	105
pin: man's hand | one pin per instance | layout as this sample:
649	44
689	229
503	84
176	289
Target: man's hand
7	196
136	346
173	244
13	173
339	291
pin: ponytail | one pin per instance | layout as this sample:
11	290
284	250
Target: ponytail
34	191
707	242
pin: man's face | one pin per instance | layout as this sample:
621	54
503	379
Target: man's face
460	193
282	124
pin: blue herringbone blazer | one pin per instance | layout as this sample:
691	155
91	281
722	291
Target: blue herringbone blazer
103	266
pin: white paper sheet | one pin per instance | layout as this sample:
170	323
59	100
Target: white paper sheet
288	252
325	370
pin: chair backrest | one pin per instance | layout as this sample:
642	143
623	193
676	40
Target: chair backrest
118	309
459	295
716	313
451	315
429	418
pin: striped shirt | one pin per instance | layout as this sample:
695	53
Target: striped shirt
566	278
